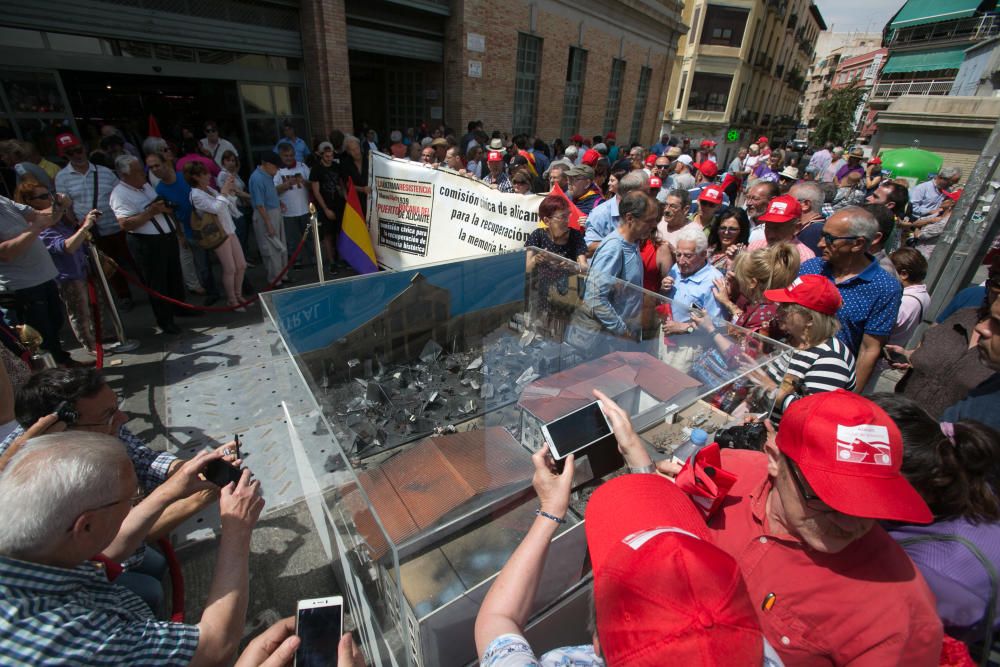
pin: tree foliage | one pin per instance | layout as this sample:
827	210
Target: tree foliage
835	115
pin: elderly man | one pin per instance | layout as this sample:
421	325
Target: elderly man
497	177
268	225
853	166
829	585
758	197
820	160
781	222
690	283
810	225
67	497
829	174
582	189
682	178
871	296
926	197
605	217
556	174
152	237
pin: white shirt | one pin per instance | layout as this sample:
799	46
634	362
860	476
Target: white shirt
215	202
127	201
224	176
80	187
295	198
220	149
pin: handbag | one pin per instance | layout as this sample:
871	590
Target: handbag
207	230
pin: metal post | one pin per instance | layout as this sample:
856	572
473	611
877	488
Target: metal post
316	247
124	344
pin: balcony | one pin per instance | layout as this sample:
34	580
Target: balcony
887	90
973	29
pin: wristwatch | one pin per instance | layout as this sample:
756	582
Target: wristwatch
690	329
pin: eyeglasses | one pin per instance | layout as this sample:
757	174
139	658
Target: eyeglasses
729	230
660	166
829	238
44	195
809	499
133	501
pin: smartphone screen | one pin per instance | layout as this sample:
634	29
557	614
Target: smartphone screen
577	430
319	629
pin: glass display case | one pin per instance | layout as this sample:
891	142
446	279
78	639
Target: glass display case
433	384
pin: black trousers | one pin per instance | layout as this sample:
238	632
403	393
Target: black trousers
159	260
41	307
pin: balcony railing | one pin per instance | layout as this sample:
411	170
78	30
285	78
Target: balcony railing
972	29
891	89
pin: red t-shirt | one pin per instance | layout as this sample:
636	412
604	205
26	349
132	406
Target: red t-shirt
867	605
651	277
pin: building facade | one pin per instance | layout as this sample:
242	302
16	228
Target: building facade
831	48
861	72
741	70
551	67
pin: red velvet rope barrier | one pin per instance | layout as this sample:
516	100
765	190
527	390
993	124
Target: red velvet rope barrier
176	580
95	311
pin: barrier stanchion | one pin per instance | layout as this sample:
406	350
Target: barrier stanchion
124	344
316	248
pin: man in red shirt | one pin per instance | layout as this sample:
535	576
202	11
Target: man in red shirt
829	584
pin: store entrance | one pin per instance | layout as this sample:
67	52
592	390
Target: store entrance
177	104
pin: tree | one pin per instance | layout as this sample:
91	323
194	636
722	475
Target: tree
836	113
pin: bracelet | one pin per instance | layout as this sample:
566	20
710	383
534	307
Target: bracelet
540	512
644	470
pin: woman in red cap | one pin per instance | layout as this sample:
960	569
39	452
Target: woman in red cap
873	174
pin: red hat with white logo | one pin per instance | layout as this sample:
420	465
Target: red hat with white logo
712	194
784	208
809	291
494	156
707	143
664	594
849	450
707	168
655	183
65	141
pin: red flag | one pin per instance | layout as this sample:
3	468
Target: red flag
574	213
154	127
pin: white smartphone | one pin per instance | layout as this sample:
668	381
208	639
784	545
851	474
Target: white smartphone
576	431
319	623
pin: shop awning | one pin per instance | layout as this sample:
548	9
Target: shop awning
925	61
919	12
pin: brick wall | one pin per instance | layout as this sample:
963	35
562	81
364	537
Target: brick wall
324	46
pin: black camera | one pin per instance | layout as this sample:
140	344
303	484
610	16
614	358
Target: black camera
750	436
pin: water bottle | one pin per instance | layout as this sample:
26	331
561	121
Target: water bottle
697	440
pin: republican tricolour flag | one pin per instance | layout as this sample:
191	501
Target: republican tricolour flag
354	245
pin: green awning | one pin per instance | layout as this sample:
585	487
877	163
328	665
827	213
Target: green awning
926	61
919	12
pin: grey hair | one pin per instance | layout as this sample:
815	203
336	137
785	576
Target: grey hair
950	172
811	193
860	223
123	164
696	236
154	145
50	482
351	139
632	182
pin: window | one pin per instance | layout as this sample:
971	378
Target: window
641	95
680	91
614	95
709	92
405	97
266	107
529	64
576	71
724	26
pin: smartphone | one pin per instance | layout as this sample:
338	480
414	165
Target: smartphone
895	357
221	473
319	624
575	432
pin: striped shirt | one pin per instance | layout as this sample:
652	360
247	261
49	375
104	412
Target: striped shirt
58	616
80	187
823	367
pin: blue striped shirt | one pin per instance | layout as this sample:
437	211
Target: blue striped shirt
58	616
80	187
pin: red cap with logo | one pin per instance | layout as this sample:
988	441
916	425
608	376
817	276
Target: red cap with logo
809	291
65	141
651	159
707	143
850	451
664	594
655	183
494	156
712	194
707	168
590	157
784	208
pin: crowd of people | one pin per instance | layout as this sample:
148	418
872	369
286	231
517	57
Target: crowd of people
852	538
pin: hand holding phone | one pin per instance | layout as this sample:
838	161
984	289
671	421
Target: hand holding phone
575	432
221	473
319	625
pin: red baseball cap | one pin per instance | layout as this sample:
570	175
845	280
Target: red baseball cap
494	156
65	141
784	208
651	159
707	168
810	291
590	157
662	591
712	194
850	451
611	136
577	138
707	143
762	140
954	195
655	183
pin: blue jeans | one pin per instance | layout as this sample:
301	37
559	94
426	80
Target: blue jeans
146	580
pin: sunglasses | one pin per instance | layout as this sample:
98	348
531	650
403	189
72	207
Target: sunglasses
809	498
729	230
830	238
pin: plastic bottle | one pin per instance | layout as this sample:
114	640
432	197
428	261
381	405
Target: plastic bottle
697	440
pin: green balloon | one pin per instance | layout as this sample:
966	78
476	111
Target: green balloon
911	162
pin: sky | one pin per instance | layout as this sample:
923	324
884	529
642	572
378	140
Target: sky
857	15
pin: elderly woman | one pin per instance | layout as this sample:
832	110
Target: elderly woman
521	182
611	303
355	169
728	235
953	467
741	293
558	238
222	204
808	315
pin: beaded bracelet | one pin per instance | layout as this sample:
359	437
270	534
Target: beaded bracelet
539	512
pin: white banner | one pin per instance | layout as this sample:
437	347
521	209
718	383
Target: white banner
420	215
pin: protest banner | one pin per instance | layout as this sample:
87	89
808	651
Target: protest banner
420	215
